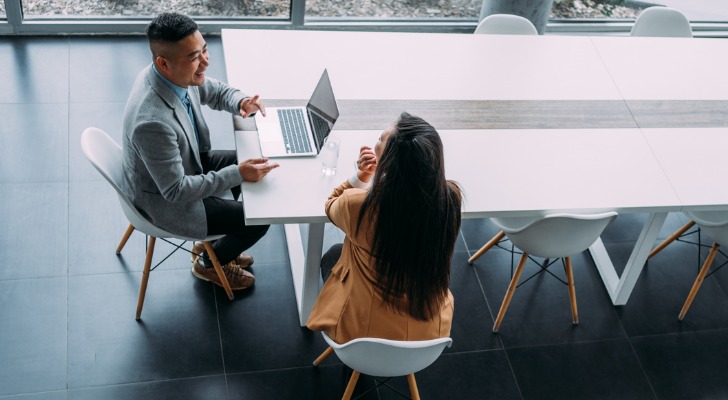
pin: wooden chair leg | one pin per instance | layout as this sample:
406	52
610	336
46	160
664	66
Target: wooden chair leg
572	292
124	239
699	281
145	275
218	270
350	387
671	239
509	292
492	242
413	387
323	356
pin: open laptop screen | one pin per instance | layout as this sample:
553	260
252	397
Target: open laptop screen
323	111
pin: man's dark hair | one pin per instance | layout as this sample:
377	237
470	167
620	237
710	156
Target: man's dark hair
167	28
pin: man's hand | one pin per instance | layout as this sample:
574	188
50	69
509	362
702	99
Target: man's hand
250	105
255	169
366	164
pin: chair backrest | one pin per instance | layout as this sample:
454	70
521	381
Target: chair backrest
662	22
505	24
106	156
555	235
385	358
713	223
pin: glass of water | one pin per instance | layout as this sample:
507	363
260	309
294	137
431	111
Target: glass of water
330	155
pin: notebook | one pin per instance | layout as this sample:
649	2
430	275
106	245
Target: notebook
299	131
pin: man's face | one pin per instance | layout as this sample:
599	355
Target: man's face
184	63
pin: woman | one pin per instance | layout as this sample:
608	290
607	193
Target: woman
391	275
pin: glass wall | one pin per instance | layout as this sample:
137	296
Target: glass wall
468	9
89	16
145	8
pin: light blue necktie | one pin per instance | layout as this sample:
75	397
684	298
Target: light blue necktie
186	101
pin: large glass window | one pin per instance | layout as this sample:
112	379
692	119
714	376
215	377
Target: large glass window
596	9
145	8
2	10
468	9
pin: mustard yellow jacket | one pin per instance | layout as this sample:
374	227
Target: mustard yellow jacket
349	306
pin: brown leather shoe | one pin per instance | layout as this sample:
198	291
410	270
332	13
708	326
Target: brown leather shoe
244	260
237	277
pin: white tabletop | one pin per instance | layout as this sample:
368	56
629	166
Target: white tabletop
694	160
645	68
416	66
499	171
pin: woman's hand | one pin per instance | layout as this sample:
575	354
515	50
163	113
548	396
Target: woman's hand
366	164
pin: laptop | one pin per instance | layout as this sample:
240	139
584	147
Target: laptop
299	131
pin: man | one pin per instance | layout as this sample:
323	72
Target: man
170	173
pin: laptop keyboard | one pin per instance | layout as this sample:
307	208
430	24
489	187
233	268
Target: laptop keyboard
293	126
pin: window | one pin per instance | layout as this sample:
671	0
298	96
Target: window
467	9
146	8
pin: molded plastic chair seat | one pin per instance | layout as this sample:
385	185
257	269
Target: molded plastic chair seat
662	22
385	358
505	24
106	156
551	236
715	224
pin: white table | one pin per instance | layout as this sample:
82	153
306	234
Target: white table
580	175
586	170
646	68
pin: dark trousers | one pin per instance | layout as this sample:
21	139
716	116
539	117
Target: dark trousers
329	259
226	217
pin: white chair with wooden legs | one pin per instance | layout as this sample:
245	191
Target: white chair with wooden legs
505	24
385	358
106	156
553	236
715	225
675	236
662	22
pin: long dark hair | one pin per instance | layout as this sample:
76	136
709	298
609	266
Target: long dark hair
416	215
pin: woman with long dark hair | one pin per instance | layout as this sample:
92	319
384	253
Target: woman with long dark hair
390	277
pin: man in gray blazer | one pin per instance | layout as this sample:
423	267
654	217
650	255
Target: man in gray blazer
170	172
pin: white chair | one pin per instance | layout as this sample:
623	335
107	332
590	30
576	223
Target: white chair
715	224
552	236
385	358
106	156
505	24
662	22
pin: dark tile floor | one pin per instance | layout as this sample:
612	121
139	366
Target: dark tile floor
67	328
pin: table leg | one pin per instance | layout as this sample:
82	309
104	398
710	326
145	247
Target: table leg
620	288
305	243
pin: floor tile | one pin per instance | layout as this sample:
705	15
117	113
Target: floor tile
177	337
33	332
34	243
103	69
105	116
470	375
271	248
314	383
472	319
540	311
36	70
56	395
206	387
260	328
95	204
660	292
34	149
686	366
627	227
593	370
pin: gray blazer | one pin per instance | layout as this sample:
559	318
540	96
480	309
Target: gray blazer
162	172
